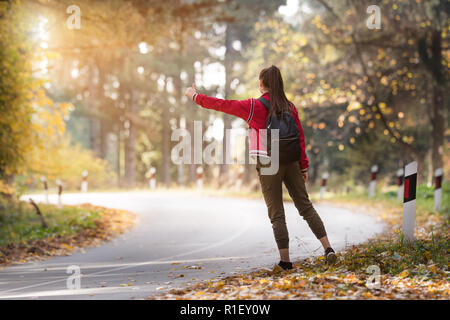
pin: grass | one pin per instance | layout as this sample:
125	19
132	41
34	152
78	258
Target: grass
424	198
390	252
395	256
20	223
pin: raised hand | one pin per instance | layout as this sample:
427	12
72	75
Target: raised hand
190	92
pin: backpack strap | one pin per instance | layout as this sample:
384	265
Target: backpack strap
264	102
252	109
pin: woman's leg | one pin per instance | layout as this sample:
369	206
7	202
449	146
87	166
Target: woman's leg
297	190
271	186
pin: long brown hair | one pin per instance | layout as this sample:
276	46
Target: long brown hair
272	80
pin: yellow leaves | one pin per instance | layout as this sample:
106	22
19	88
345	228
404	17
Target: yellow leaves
327	295
66	246
286	284
432	268
351	278
6	189
368	295
403	274
354	105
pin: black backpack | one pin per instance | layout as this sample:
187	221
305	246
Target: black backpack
289	136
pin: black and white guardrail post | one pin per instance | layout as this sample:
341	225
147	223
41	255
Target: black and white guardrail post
438	189
45	184
84	182
373	181
409	201
323	185
400	173
199	178
60	190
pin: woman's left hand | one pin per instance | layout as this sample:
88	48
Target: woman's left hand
305	176
190	92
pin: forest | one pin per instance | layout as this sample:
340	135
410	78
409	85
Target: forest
98	86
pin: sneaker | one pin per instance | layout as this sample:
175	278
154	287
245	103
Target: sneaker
330	256
285	265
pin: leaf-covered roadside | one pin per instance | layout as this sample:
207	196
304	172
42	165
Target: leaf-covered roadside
416	271
69	229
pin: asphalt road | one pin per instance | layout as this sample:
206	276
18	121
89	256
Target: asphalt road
197	236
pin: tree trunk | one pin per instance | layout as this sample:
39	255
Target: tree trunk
118	161
437	129
192	166
103	139
166	145
227	118
315	171
130	144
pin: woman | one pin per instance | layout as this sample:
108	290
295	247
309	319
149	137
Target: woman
293	174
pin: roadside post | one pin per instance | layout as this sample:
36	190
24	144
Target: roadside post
84	182
199	178
400	174
240	177
409	201
323	185
60	190
151	174
373	181
438	189
45	184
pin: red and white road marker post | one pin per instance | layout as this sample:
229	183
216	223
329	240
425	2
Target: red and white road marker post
84	182
60	190
373	181
409	201
199	178
151	175
45	184
400	174
323	185
438	189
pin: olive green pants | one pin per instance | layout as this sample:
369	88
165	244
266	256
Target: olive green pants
271	186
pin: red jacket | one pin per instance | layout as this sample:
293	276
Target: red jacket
255	117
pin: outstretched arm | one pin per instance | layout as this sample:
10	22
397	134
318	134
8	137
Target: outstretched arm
238	108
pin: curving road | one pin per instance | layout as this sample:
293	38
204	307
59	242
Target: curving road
174	231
